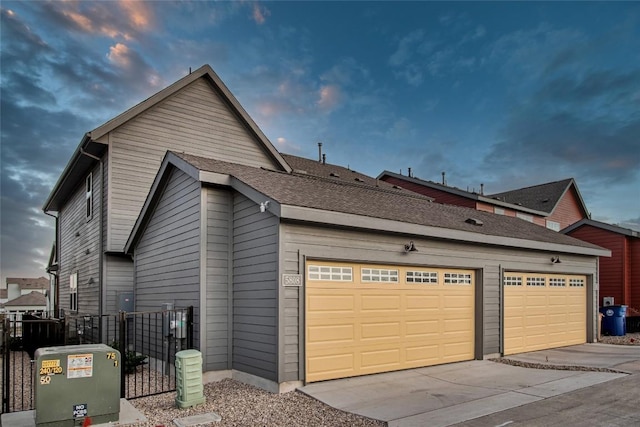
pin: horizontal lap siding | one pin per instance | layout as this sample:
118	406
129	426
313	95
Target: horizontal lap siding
568	210
255	254
167	257
611	268
324	243
119	278
218	270
80	247
195	121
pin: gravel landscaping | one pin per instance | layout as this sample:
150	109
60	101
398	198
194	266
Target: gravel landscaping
243	405
628	339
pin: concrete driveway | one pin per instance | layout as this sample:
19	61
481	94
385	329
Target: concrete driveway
449	394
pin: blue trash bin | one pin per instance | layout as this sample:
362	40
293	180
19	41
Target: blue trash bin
614	322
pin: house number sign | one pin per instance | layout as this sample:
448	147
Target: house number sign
292	280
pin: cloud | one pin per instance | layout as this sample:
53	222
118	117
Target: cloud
329	97
285	146
406	48
260	13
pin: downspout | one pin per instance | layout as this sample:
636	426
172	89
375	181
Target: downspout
56	294
101	235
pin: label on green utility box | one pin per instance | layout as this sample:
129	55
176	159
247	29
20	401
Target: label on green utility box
80	410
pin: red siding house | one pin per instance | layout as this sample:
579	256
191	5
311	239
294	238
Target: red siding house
555	205
620	274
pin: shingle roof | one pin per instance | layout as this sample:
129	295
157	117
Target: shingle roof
312	191
305	166
542	197
602	225
31	299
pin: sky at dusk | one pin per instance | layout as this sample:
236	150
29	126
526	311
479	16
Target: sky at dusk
508	94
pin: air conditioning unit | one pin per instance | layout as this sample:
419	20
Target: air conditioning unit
607	301
75	382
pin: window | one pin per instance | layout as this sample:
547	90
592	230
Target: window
330	273
576	283
422	277
536	281
499	211
457	278
379	275
557	281
512	281
526	217
89	195
553	225
73	292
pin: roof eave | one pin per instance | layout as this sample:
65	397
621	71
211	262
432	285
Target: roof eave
350	220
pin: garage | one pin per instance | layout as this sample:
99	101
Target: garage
364	318
543	311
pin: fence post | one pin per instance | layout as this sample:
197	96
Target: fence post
6	376
190	327
122	344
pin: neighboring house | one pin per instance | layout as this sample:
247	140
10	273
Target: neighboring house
300	271
100	192
33	302
314	274
3	298
554	205
20	286
619	274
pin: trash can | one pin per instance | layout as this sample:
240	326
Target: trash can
614	322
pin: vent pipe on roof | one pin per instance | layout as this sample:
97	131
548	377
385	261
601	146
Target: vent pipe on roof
409	172
324	159
319	151
481	189
444	182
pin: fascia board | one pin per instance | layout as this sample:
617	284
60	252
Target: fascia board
257	197
356	221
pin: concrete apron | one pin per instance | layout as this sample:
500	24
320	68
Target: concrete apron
449	394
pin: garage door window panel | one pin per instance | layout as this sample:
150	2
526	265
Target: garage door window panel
379	275
330	273
425	277
457	279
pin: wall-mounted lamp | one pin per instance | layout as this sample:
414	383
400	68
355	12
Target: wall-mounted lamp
410	247
555	259
91	281
264	206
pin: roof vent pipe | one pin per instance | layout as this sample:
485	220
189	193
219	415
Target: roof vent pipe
481	189
324	159
444	182
409	172
319	151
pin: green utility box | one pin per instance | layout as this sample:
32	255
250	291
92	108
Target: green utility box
74	382
189	388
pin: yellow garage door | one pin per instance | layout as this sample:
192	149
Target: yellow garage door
543	311
365	319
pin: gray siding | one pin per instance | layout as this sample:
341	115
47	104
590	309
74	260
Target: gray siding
218	271
80	247
255	303
119	278
194	120
300	241
167	257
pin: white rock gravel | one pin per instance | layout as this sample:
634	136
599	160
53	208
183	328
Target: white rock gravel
628	339
243	405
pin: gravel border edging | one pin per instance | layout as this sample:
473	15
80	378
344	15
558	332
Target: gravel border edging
533	365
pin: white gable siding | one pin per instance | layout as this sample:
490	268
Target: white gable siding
195	121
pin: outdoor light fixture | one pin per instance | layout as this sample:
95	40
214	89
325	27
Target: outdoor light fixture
410	247
555	259
264	206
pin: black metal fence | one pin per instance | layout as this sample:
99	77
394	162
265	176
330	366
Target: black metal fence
147	341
